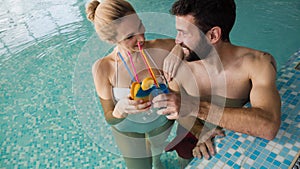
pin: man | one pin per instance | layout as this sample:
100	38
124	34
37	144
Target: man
227	75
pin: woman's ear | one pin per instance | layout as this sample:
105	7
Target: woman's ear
214	34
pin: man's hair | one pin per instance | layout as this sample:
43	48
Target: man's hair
208	13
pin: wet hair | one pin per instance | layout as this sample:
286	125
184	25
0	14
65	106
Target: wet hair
105	14
208	13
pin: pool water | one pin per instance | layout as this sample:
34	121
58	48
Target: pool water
44	121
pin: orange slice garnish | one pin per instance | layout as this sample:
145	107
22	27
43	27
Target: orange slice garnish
135	86
147	83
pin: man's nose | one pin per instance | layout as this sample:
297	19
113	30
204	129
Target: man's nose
178	39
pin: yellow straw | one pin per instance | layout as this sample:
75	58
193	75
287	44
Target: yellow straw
148	65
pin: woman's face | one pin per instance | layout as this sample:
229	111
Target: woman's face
130	31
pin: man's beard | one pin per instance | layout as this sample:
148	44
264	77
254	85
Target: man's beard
203	52
192	57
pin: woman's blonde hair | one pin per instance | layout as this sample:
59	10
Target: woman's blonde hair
105	14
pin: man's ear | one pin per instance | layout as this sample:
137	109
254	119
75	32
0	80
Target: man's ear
214	34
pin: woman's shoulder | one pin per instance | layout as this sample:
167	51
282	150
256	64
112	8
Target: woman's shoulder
166	44
103	64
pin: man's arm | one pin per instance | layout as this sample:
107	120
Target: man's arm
177	101
204	147
263	118
172	62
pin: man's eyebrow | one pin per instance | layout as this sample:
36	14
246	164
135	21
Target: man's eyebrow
180	30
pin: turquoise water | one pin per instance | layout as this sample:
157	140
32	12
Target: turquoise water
41	51
271	26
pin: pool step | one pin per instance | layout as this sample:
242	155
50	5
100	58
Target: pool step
298	66
296	162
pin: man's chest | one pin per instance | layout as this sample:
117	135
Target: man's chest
229	84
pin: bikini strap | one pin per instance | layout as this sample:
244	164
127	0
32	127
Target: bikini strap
116	70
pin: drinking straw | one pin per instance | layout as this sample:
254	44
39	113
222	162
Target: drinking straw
133	67
126	66
147	64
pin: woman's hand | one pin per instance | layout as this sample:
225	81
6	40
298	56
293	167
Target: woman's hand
172	62
127	106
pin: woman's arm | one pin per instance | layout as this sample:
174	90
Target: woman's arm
104	88
113	112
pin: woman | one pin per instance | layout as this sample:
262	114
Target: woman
140	141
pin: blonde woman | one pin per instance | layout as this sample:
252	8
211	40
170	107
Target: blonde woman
141	142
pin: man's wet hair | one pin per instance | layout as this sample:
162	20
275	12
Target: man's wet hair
208	13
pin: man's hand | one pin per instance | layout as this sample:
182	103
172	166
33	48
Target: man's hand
169	105
175	105
205	147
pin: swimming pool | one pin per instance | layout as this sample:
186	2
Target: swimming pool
40	43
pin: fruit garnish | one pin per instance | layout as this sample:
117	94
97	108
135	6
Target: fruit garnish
147	83
135	86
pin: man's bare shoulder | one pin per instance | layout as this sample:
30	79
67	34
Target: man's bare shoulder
254	57
267	58
258	63
190	70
